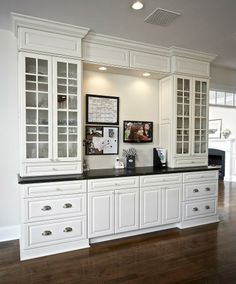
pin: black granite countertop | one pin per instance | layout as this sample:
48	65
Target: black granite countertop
111	173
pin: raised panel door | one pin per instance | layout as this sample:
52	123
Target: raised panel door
171	204
126	210
100	214
150	207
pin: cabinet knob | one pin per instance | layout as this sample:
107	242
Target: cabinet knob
67	230
67	205
195	209
207	207
46	233
208	189
46	208
196	190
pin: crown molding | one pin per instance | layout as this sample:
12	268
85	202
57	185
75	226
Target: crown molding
125	43
193	54
19	20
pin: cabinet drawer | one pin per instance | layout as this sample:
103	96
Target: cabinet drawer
54	188
160	179
198	209
47	233
112	183
194	191
200	176
191	162
52	169
40	209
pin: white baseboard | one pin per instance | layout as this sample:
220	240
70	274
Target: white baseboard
9	233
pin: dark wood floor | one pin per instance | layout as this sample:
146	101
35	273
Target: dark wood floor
205	254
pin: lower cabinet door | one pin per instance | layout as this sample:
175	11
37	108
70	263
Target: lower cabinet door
150	207
126	210
171	204
100	214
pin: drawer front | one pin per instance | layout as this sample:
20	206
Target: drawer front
199	209
191	162
52	169
54	188
157	180
36	210
194	191
46	233
112	183
200	176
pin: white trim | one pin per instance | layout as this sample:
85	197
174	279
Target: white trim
9	233
19	20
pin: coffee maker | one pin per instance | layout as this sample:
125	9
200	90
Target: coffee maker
159	158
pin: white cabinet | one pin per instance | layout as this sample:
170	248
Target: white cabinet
184	120
50	115
150	207
171	204
100	213
160	199
53	218
113	206
126	210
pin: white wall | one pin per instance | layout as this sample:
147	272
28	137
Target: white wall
9	193
138	101
223	78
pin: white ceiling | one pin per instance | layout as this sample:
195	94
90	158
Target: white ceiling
205	25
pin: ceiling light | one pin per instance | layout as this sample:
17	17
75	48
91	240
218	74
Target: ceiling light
137	5
102	68
146	74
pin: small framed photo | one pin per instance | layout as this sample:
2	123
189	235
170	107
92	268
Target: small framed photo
102	140
215	126
102	110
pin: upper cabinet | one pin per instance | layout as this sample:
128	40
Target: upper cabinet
183	113
50	115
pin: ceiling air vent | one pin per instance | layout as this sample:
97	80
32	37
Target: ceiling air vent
161	17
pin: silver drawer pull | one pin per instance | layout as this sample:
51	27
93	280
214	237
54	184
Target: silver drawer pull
46	233
196	190
46	208
67	205
208	189
207	207
117	184
67	230
54	169
195	209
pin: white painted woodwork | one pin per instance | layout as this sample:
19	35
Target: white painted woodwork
44	208
150	206
147	61
198	209
171	204
39	234
188	66
102	54
191	161
100	213
200	176
126	210
200	190
160	179
113	183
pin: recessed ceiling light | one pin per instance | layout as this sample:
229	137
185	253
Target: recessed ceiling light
137	5
102	68
146	74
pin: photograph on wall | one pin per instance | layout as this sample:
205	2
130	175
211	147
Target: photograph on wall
214	131
102	109
102	140
138	131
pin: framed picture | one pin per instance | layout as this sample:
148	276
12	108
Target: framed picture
102	140
137	131
102	110
215	128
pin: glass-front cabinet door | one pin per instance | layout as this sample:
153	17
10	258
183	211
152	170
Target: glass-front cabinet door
183	116
36	105
200	116
66	89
